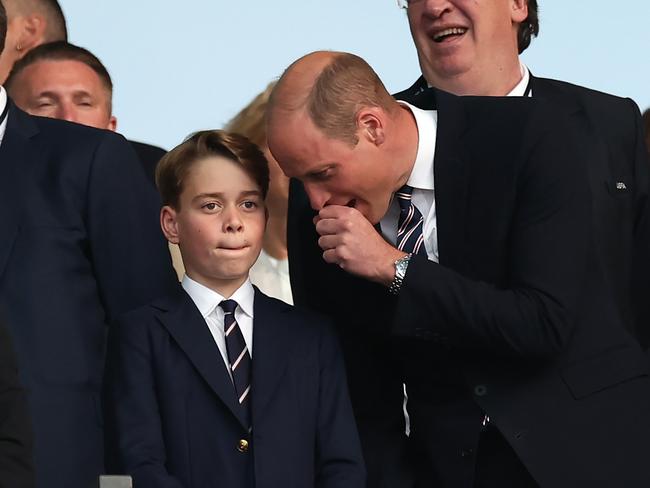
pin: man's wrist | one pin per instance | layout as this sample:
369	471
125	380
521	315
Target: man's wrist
400	265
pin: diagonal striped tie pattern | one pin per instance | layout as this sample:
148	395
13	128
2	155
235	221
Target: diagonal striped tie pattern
238	356
410	237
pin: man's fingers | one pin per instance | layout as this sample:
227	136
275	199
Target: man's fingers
331	256
335	212
329	242
333	226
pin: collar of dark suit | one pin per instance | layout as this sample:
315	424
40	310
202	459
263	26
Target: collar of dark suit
179	315
19	124
556	93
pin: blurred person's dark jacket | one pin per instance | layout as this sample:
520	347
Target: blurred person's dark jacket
16	464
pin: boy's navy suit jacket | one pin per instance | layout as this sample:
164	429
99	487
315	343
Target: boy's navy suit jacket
172	418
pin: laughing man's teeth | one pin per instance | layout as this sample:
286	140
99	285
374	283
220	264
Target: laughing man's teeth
449	32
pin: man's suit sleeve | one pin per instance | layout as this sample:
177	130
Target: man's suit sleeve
16	465
338	449
133	434
531	312
130	257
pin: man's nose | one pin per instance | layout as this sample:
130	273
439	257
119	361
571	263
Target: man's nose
66	112
436	8
318	198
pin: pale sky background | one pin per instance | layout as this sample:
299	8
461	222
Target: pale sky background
183	66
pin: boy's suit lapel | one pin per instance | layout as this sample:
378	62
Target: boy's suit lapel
271	349
185	324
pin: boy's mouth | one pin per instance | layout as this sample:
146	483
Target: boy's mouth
233	248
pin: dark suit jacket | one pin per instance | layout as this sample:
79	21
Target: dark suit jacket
80	244
149	156
176	422
516	321
16	464
618	170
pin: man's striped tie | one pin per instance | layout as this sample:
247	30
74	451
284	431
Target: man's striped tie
238	356
410	224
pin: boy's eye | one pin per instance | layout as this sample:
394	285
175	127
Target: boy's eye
249	205
210	206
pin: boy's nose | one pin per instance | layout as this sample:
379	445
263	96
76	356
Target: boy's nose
232	221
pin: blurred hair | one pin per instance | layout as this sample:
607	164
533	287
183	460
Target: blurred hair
56	29
251	121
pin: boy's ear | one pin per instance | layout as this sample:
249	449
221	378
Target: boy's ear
168	224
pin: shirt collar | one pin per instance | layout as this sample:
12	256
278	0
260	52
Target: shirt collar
206	299
422	173
520	88
3	104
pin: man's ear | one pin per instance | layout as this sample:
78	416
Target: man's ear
112	123
519	10
32	32
169	224
371	124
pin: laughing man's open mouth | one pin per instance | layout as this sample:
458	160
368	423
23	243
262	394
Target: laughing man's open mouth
449	33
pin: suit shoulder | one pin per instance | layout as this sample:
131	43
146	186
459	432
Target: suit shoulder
70	142
63	131
587	96
147	153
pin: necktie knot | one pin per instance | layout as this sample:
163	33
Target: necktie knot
228	306
410	224
403	196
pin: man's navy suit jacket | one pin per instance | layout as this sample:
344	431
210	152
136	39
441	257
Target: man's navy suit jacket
618	171
80	244
516	321
174	420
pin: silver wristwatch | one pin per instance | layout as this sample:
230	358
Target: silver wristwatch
400	272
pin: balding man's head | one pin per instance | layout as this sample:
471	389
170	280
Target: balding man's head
332	124
330	87
30	23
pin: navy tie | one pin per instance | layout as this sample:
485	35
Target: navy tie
410	237
239	357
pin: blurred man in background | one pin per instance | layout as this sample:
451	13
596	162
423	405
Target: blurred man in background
64	81
30	23
80	244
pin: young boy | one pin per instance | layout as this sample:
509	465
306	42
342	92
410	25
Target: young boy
220	385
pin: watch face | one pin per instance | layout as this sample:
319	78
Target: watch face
401	265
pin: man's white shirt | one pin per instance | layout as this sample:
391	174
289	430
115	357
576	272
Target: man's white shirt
422	181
